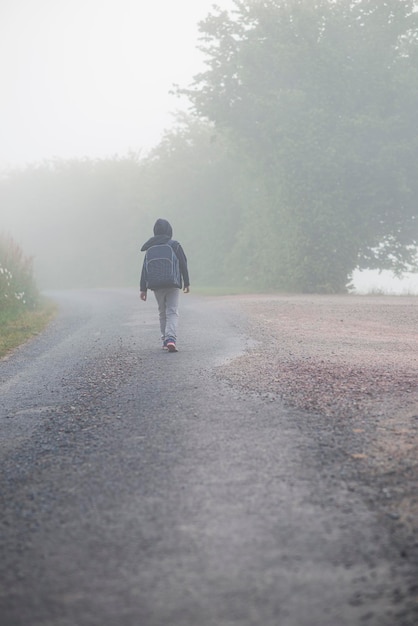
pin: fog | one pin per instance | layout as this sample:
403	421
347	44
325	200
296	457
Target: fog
90	79
92	151
80	220
374	282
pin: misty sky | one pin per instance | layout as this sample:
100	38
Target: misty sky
92	77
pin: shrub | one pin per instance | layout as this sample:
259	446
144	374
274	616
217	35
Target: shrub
18	290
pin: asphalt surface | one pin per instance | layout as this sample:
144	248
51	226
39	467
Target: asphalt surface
137	489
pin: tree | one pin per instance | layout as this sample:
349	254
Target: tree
321	96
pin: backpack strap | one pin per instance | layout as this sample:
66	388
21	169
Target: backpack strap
174	244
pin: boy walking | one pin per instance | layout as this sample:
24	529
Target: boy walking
165	272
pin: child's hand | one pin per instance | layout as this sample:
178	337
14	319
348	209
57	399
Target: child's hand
143	295
186	290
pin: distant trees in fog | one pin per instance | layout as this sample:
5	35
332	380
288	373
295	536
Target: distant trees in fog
78	218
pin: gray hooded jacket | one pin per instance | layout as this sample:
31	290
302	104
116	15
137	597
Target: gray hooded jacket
163	234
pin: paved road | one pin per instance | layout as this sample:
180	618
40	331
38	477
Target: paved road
139	490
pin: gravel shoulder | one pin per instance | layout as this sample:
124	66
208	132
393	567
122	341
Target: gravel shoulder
353	362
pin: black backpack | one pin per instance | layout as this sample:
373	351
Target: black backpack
162	267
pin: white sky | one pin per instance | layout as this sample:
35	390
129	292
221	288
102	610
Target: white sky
92	77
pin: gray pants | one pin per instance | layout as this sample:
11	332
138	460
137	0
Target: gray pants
168	309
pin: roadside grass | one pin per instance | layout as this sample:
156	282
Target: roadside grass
378	293
16	327
221	291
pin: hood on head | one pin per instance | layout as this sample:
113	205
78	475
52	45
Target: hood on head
162	227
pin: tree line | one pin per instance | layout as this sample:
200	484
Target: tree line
296	165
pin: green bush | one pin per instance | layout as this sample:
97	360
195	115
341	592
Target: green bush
18	291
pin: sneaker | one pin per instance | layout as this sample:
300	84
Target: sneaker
171	345
164	346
